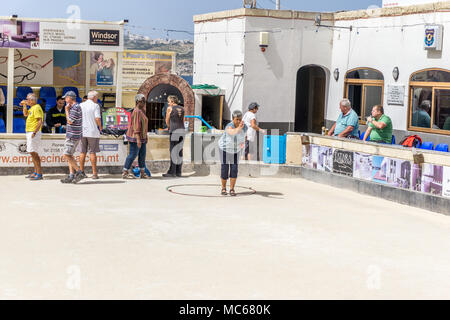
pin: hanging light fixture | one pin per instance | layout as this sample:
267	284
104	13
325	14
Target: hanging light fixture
396	73
336	74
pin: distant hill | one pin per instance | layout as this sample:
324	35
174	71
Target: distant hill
183	48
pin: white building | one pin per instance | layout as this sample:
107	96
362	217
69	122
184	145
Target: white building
308	67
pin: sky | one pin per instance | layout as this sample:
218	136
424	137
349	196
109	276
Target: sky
147	15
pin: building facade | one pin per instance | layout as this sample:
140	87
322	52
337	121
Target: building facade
313	60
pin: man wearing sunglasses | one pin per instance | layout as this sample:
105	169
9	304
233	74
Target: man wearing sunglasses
33	130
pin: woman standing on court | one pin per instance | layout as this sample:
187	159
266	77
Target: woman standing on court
230	145
137	137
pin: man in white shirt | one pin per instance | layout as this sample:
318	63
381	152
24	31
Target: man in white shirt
251	146
92	124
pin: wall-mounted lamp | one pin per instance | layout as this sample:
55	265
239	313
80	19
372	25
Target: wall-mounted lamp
336	74
396	73
263	41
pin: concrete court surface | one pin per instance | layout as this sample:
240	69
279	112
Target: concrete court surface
293	239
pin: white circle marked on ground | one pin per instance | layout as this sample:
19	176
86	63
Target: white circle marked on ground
207	190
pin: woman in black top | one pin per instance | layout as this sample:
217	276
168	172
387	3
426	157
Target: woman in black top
175	123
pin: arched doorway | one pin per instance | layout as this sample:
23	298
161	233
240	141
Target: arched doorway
157	88
310	99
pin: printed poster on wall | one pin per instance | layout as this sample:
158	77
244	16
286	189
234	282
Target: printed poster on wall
398	173
379	169
69	68
13	153
446	183
19	34
432	178
306	156
31	67
103	68
325	160
343	162
116	118
314	157
362	166
416	177
139	65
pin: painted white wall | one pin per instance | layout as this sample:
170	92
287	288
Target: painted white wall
219	46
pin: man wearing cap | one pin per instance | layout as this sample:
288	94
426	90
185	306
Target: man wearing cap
251	146
74	131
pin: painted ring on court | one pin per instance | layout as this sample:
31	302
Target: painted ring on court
170	189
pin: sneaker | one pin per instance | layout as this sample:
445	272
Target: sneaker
78	177
37	177
67	180
128	175
84	175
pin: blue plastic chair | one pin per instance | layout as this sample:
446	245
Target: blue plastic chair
2	126
49	103
393	139
47	92
22	92
362	136
427	146
5	93
18	125
441	147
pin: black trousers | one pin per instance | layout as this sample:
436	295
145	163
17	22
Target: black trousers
176	157
230	165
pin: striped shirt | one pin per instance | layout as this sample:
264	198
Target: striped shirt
138	125
74	131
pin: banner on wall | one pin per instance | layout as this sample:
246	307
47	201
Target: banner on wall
432	179
103	68
379	169
31	67
416	177
446	182
69	68
325	159
13	153
61	35
362	166
343	162
398	173
140	65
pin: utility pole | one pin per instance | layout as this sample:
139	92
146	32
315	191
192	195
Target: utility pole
278	5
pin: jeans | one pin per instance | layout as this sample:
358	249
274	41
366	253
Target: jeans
230	165
135	152
176	160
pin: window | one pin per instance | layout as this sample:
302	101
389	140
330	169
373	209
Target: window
364	88
429	106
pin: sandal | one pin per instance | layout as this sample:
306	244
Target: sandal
37	177
31	175
232	193
224	192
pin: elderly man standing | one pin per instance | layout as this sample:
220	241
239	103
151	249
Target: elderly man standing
92	124
33	130
347	124
74	117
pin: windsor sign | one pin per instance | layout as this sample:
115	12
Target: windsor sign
104	38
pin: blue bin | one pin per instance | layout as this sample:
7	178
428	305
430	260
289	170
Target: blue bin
274	149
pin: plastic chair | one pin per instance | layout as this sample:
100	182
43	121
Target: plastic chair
18	125
49	103
441	147
362	136
47	92
2	126
5	93
22	92
393	139
427	146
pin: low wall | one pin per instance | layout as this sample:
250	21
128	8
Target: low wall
421	171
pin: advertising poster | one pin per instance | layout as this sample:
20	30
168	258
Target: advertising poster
446	183
379	169
31	67
362	166
314	157
13	153
416	177
116	118
343	162
306	156
103	68
19	34
398	173
432	179
325	161
69	68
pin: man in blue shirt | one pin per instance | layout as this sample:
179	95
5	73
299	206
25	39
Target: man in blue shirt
421	118
347	124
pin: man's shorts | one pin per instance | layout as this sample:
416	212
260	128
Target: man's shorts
90	144
34	144
70	146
